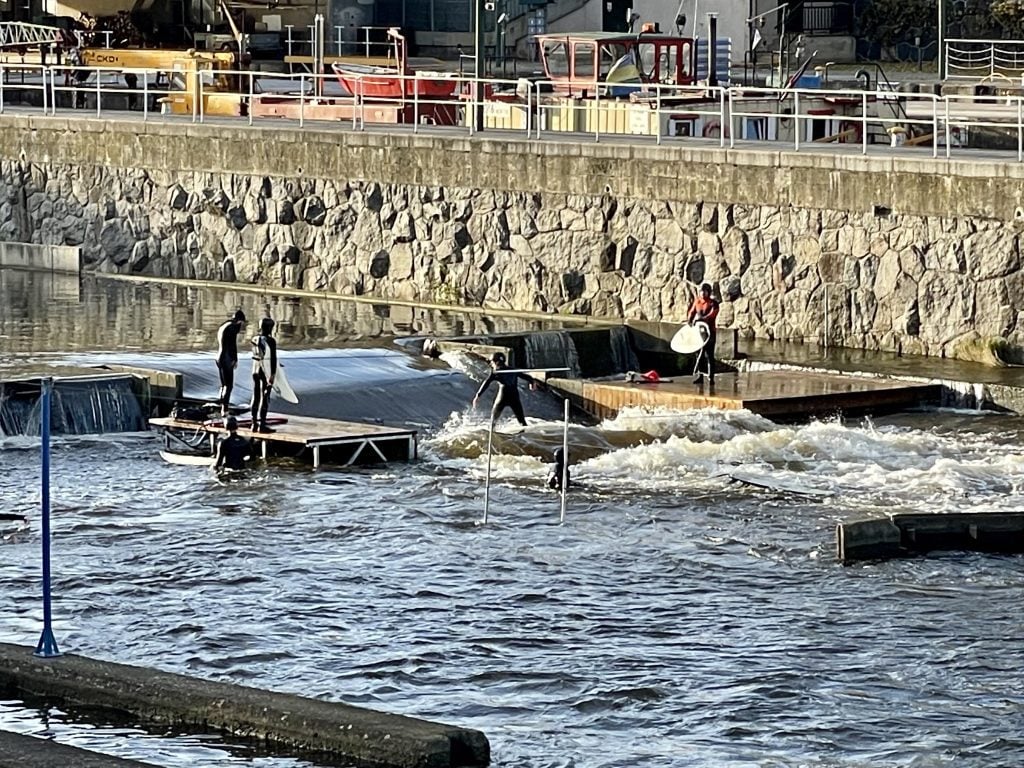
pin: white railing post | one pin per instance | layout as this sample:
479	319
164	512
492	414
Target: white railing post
145	96
302	99
1020	132
3	81
796	121
99	90
597	113
540	110
992	59
45	106
415	106
252	95
202	106
722	121
472	115
529	110
945	100
935	127
864	124
657	113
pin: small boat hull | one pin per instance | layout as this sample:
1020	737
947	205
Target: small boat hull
387	84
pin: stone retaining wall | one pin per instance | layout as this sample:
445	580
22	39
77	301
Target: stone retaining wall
918	255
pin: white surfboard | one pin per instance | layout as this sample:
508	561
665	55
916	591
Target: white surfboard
690	338
187	459
779	484
281	386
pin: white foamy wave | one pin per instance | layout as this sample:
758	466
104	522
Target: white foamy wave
697	424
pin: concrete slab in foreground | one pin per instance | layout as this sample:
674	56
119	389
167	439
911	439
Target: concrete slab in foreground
363	735
18	751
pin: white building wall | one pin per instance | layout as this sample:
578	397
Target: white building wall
732	19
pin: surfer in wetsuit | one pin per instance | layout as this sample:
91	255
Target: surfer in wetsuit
705	309
227	357
557	469
508	389
233	451
264	368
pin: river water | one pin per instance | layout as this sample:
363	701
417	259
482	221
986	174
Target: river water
674	619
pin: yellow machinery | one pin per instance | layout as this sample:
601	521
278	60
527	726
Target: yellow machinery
184	71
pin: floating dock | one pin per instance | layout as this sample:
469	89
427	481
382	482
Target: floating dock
781	395
904	534
325	440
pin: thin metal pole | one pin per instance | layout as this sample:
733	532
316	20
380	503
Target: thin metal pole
252	95
487	477
565	461
657	111
302	100
796	120
864	124
145	96
47	646
99	98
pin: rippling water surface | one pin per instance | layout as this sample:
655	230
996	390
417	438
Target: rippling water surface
675	619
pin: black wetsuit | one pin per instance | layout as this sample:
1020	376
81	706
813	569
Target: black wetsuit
508	393
555	478
227	359
262	346
233	452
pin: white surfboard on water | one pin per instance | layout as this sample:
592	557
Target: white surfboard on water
187	459
769	482
281	386
690	338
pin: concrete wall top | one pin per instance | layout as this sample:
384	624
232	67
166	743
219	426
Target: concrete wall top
916	184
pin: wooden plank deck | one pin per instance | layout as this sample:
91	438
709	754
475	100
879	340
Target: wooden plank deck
782	395
314	435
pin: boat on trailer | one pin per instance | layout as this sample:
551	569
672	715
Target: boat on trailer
399	82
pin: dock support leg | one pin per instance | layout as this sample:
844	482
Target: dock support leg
316	457
263	448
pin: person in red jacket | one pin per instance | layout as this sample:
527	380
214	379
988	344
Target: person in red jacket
704	309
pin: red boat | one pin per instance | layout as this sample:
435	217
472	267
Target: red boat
397	83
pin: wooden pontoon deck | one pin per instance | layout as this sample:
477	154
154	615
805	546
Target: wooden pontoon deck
782	395
347	441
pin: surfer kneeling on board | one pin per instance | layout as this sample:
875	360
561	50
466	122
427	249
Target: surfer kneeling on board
233	451
557	470
264	368
704	309
508	389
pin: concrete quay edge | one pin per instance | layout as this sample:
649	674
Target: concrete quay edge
20	751
309	725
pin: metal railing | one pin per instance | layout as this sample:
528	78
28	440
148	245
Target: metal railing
661	114
967	59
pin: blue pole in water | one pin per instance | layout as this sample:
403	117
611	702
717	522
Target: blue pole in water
47	646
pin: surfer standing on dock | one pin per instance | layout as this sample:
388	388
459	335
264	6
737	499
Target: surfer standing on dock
704	309
508	389
264	368
227	357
